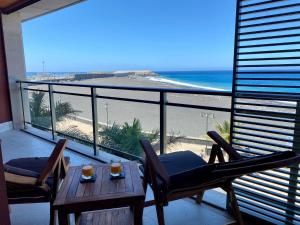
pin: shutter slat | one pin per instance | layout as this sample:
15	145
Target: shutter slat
266	105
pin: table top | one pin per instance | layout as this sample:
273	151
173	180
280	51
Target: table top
103	191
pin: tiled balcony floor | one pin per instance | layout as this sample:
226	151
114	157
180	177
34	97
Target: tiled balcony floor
16	144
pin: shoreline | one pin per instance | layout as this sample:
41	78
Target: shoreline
146	75
186	121
185	84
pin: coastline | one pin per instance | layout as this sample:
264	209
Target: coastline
209	80
184	121
184	84
188	122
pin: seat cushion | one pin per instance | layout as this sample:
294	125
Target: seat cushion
21	174
24	190
185	169
36	164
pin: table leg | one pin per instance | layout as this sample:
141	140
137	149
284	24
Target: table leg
63	218
138	213
77	215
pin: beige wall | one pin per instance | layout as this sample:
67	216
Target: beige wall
5	112
15	63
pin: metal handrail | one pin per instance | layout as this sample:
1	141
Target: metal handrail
162	102
131	88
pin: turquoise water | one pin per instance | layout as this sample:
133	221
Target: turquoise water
209	80
216	80
222	80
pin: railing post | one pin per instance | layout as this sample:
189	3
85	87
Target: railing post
22	101
52	111
163	121
95	120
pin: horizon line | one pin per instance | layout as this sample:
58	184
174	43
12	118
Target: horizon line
194	70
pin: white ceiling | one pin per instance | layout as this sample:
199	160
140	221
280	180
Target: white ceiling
45	6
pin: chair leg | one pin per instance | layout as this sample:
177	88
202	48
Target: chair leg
145	185
160	214
52	215
235	207
77	216
145	179
199	197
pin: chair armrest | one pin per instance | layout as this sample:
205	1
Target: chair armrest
19	175
53	160
64	167
216	152
233	154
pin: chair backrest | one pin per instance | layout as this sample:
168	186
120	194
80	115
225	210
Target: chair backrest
232	153
153	162
54	158
4	210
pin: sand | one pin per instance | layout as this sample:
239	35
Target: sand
187	122
183	121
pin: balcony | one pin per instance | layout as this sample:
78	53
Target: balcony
161	114
18	144
263	111
91	101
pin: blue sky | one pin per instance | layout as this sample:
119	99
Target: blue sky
99	35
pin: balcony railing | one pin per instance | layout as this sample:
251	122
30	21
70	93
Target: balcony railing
91	93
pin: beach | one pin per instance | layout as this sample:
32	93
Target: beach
192	124
189	123
183	121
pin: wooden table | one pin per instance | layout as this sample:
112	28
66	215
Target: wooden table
120	216
75	197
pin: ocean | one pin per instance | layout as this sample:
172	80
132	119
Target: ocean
222	80
208	80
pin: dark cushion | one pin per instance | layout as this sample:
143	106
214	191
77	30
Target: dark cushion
36	164
20	171
185	169
27	167
22	183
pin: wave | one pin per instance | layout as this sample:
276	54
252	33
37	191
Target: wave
164	80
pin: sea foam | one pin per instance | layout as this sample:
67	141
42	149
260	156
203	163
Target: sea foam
168	81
